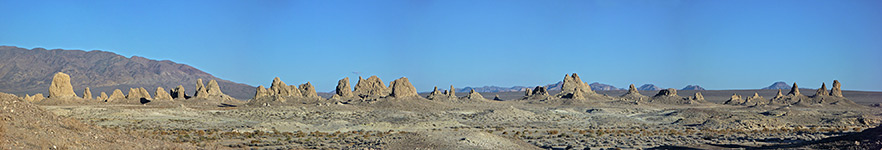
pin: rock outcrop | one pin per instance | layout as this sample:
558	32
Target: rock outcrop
102	97
144	93
279	87
474	95
34	99
343	90
633	94
179	92
402	88
496	98
201	91
61	87
698	96
821	91
214	89
794	91
735	99
116	95
451	94
87	93
539	92
436	94
754	100
779	95
574	88
667	92
261	92
837	89
161	94
134	93
372	87
528	92
307	90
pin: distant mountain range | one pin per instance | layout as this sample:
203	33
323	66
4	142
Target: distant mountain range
778	85
24	71
692	87
648	87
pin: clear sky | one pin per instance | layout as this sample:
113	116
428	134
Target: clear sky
742	44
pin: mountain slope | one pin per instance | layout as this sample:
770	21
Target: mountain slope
24	71
778	85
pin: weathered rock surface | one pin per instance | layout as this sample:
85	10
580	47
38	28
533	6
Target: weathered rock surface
343	90
214	89
261	92
61	87
179	92
134	93
308	91
779	95
144	93
837	89
497	98
201	91
822	91
634	95
102	97
451	94
87	93
161	94
528	92
794	91
667	92
698	96
116	95
371	87
402	88
36	98
539	92
435	94
279	87
574	88
735	99
754	100
474	95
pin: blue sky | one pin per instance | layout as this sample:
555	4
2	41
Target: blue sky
716	44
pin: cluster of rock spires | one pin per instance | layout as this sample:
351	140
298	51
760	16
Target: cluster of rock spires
60	90
373	88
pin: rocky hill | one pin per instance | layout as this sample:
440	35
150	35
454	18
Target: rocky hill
778	85
692	87
648	87
24	71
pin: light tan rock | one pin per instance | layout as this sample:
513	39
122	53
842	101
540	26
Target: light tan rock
697	96
102	97
161	94
116	95
61	87
755	98
343	89
308	91
794	91
28	98
497	98
134	93
401	88
632	90
370	87
735	99
452	93
144	93
540	91
435	94
87	94
572	85
528	92
201	91
474	95
214	89
261	92
38	97
822	91
578	95
179	92
667	92
837	89
293	91
779	95
279	87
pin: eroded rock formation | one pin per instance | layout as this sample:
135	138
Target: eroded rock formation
573	87
343	90
735	99
402	88
161	94
116	95
474	95
201	91
435	94
837	89
87	93
61	87
822	91
371	87
179	92
307	90
261	92
102	97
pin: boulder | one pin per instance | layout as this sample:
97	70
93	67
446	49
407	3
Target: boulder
474	95
179	92
308	91
201	91
343	89
837	89
735	99
528	92
87	93
61	87
370	87
161	94
402	88
822	91
116	95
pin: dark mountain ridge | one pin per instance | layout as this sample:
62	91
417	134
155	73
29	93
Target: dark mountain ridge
24	71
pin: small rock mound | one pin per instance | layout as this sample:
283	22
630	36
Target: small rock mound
539	92
87	93
102	97
308	91
669	96
372	87
837	89
201	91
573	88
821	91
475	96
735	99
160	94
633	94
116	95
698	96
451	94
435	94
179	92
343	90
667	92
